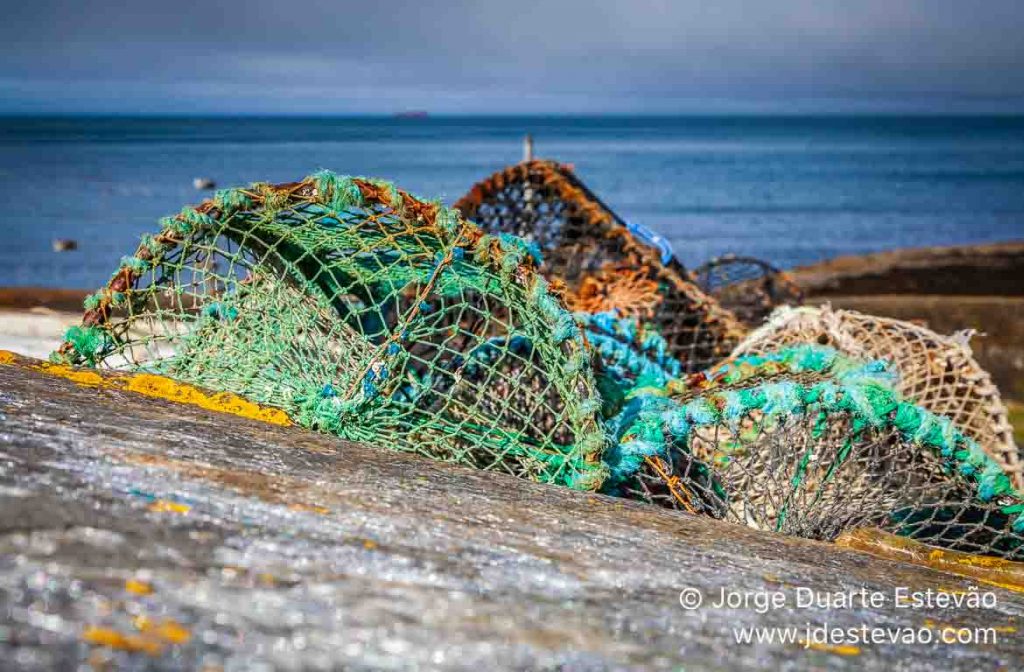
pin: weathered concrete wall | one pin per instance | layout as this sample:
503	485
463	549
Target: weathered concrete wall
145	534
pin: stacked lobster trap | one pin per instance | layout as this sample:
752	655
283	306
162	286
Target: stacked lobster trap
605	264
530	330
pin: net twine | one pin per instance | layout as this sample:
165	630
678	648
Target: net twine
365	312
804	441
604	265
937	372
751	288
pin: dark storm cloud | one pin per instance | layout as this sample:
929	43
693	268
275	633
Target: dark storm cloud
622	55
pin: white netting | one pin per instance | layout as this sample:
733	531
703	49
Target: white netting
937	372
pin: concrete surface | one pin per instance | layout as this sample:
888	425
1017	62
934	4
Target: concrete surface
141	534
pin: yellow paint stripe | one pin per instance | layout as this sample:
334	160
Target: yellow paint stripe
997	572
840	649
158	387
166	506
166	629
101	636
138	587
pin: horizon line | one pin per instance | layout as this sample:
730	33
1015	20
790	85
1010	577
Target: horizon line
404	116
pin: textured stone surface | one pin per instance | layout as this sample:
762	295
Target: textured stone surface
148	535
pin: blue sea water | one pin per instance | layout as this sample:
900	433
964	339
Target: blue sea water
792	190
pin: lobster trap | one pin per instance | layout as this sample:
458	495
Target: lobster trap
751	288
364	312
937	372
807	443
607	265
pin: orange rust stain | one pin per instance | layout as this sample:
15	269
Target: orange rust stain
153	636
840	649
137	587
166	506
113	639
166	629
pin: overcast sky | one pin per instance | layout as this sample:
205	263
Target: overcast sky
526	56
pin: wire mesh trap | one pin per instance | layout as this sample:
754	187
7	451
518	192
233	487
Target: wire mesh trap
937	372
607	265
364	312
751	288
806	442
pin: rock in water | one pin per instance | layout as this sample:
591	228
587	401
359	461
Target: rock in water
64	244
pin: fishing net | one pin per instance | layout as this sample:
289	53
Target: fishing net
607	265
937	372
629	355
806	442
364	312
751	288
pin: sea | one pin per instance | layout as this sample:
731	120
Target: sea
790	190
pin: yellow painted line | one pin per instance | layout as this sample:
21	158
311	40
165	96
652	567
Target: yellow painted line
157	387
100	636
166	506
138	587
840	649
153	636
166	629
998	572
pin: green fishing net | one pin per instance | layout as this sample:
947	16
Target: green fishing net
361	311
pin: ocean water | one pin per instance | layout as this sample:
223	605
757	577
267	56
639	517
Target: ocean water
790	190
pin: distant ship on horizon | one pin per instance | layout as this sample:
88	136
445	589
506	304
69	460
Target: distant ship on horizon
411	114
